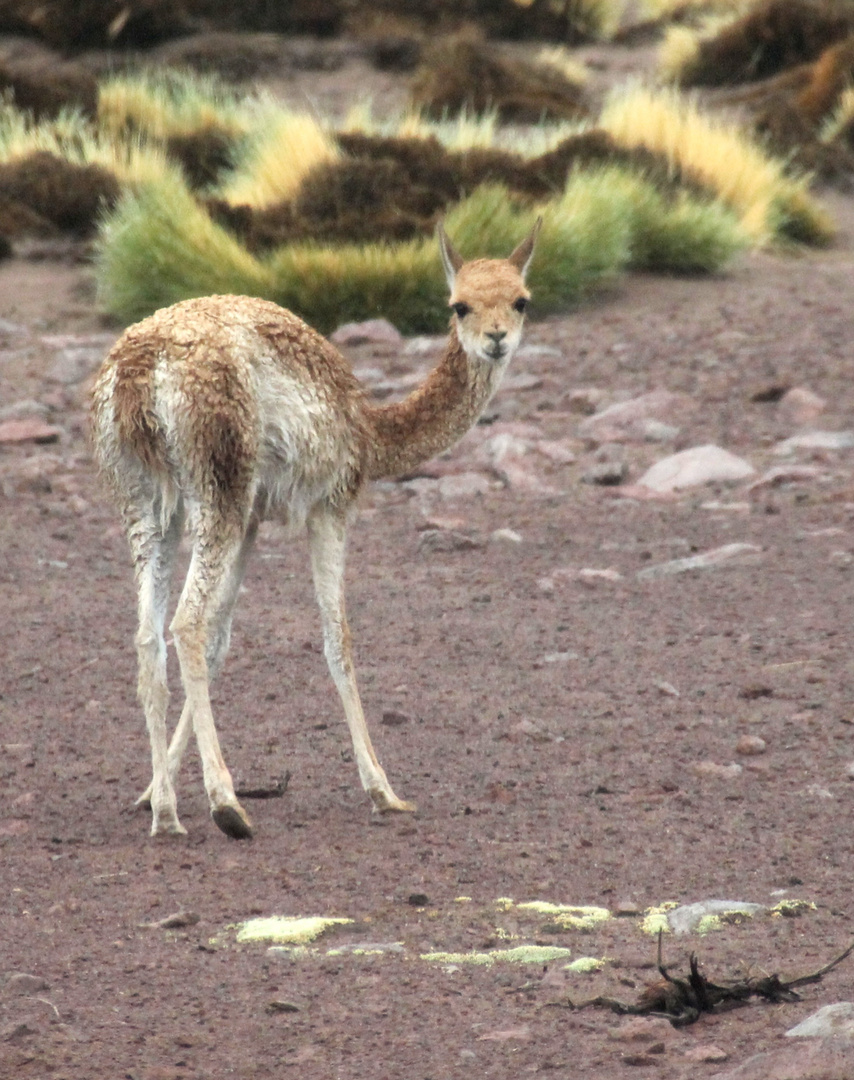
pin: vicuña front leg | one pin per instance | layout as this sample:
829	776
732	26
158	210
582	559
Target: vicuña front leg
327	533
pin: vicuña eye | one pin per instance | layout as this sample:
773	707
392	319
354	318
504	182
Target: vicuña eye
520	304
461	310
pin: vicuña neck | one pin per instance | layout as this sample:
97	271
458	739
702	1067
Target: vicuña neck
434	416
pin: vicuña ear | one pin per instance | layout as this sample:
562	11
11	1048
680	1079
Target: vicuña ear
521	257
451	259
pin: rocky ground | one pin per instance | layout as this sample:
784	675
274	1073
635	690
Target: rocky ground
588	707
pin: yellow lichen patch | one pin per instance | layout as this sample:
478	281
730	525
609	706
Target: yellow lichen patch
792	908
504	902
287	929
462	900
569	916
585	964
655	918
522	954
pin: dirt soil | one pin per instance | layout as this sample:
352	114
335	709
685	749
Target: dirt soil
567	739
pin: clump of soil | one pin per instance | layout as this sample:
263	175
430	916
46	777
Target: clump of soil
203	155
44	87
460	73
396	188
775	36
42	193
788	61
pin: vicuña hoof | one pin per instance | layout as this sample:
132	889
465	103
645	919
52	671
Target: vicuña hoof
168	830
388	803
233	822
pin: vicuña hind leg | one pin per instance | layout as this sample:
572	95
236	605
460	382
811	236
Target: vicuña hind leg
153	552
214	572
219	639
326	532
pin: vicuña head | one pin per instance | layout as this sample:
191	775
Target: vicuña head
225	410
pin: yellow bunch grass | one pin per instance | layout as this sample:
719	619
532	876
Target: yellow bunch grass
284	147
680	9
562	60
465	130
680	46
162	105
71	136
841	117
719	156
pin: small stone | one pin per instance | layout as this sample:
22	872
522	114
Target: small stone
505	536
558	451
816	440
712	1054
585	400
32	429
524	380
277	1006
750	745
715	771
784	474
465	485
694	467
589	575
642	1029
849	770
835	1020
632	421
626	909
369	332
21	410
813	1059
22	982
606	473
736	554
800	406
395	718
446	540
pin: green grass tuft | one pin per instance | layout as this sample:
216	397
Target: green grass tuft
159	246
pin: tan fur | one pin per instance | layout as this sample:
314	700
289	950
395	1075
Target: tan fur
227	409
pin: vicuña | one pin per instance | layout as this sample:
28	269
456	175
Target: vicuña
222	411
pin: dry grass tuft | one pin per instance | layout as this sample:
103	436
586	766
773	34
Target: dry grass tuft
283	147
461	73
719	157
773	36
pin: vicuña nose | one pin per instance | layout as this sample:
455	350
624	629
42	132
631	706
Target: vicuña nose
496	335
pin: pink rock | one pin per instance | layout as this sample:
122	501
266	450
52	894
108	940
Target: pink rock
592	576
750	745
800	406
694	467
643	1029
465	485
629	421
715	771
31	429
559	451
585	400
706	1053
784	474
370	332
812	1059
